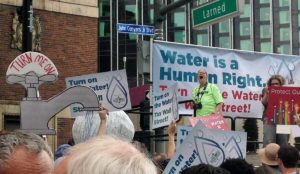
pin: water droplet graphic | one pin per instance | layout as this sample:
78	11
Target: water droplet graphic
116	94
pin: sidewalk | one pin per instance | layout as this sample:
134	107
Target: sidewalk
253	158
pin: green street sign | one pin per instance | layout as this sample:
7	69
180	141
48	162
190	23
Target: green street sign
214	12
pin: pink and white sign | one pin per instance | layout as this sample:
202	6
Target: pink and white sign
32	61
212	121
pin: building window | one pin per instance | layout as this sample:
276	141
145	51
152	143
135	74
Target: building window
284	34
132	11
179	36
246	45
264	14
224	42
224	27
284	49
11	122
246	12
284	17
265	47
264	1
244	28
265	31
179	19
284	3
202	39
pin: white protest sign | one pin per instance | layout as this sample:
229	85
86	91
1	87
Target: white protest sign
295	130
208	146
240	75
165	107
110	87
182	133
31	61
118	124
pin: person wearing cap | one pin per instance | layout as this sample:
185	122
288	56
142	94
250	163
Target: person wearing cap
206	97
269	156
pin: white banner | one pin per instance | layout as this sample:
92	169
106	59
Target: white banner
165	107
208	146
110	87
240	75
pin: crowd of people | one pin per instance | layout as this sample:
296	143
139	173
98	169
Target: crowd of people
24	152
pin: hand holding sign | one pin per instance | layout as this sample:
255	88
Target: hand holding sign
213	121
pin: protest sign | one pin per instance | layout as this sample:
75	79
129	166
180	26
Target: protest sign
182	133
208	146
110	87
240	75
165	107
283	103
213	121
32	62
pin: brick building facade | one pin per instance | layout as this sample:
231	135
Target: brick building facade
68	38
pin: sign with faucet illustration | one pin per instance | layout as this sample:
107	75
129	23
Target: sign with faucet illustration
208	146
31	69
111	89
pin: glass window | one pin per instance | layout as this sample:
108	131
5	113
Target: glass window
224	42
201	1
246	45
284	34
299	19
264	14
132	36
245	28
224	27
246	11
132	10
265	47
104	9
179	19
265	31
284	49
179	36
298	5
104	29
202	39
284	17
152	16
283	3
264	1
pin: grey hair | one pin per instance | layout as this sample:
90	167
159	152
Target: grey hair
11	140
108	155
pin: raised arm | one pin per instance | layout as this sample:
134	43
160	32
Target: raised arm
171	139
103	116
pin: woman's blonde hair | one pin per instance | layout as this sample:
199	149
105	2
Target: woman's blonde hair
108	155
276	77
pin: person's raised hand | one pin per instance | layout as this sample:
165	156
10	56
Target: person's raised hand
103	112
172	128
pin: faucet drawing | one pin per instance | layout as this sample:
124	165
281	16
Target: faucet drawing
36	113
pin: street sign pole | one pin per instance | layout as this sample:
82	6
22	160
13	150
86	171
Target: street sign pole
215	11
